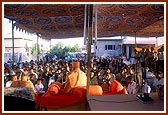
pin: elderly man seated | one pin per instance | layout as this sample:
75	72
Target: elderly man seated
75	78
73	93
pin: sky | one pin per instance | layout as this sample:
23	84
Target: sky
69	41
7	31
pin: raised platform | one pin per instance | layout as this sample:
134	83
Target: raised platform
122	102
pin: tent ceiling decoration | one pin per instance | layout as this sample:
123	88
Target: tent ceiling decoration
50	21
124	19
56	21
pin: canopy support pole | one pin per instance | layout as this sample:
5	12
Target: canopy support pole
85	24
156	42
121	47
50	45
95	42
13	52
135	58
37	45
89	42
135	40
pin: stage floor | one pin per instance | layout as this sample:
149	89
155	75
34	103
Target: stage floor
124	103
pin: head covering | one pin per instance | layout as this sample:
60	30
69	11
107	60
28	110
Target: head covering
76	65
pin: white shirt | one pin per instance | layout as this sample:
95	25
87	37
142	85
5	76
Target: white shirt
8	83
39	88
51	80
149	75
158	82
35	75
131	88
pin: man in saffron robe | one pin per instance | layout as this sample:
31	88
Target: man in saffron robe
75	78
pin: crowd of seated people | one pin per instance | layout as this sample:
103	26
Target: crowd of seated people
105	72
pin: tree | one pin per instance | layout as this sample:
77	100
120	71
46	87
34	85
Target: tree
75	48
66	50
58	50
35	50
62	52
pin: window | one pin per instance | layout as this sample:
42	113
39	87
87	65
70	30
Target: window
105	47
109	47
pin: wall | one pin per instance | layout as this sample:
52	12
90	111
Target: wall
100	51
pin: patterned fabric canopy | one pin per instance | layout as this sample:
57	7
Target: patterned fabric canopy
56	21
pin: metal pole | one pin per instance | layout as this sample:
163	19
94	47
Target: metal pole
95	25
37	48
156	42
50	45
13	53
89	33
135	40
135	58
88	53
85	23
121	47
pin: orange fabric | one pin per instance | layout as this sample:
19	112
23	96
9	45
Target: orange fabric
77	96
79	91
117	88
95	90
75	79
60	100
38	100
123	91
76	64
105	87
54	88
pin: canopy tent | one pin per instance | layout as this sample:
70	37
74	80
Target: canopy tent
56	21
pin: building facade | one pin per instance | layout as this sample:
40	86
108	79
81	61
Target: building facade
108	47
121	46
22	49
